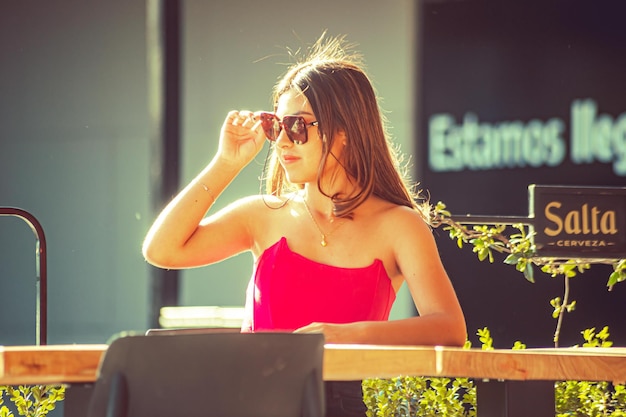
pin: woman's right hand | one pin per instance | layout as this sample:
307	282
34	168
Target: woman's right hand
241	138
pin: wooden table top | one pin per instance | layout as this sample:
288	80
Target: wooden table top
52	364
347	362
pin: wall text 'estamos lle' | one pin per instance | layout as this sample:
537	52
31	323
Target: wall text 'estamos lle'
475	145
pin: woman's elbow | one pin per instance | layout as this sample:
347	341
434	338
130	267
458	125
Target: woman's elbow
458	333
454	332
457	338
154	255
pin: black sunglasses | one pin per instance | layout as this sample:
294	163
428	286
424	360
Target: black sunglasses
295	127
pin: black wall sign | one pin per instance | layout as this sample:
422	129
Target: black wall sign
579	222
512	94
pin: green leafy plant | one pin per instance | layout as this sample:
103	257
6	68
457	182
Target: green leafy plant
519	246
419	396
487	239
426	397
593	399
30	401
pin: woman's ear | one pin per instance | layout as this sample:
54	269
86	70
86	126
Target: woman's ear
342	138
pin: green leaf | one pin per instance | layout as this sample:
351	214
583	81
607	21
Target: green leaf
512	258
588	334
518	345
604	333
529	273
614	278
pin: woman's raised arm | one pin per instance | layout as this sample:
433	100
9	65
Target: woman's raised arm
180	238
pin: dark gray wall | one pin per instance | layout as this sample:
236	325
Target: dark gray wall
73	143
74	140
524	64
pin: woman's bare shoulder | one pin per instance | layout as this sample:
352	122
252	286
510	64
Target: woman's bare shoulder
399	215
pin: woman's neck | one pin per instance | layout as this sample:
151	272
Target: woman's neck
317	201
320	202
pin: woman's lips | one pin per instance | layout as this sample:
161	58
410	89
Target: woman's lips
287	159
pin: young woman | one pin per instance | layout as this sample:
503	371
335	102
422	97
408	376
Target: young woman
338	230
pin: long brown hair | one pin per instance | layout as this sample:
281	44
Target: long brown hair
343	99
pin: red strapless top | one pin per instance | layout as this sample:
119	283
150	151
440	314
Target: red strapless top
288	291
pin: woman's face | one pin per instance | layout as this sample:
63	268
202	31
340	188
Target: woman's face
301	162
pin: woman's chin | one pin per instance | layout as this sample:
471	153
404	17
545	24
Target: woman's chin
298	179
295	180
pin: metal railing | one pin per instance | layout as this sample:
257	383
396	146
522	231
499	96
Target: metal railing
41	282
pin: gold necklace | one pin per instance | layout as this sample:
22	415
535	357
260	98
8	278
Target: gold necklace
324	243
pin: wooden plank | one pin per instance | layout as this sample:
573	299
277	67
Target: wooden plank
354	362
554	365
351	362
49	364
79	363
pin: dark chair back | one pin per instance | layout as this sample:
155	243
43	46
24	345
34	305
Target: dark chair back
211	374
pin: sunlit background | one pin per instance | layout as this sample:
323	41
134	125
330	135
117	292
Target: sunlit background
75	151
74	132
